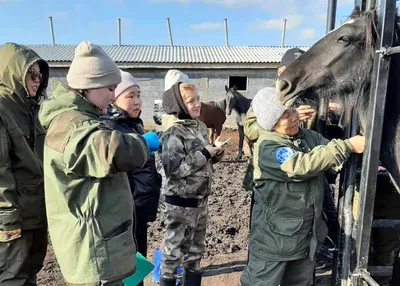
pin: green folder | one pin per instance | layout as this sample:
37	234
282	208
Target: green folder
143	268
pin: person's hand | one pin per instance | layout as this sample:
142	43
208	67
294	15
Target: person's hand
214	150
357	143
305	112
381	169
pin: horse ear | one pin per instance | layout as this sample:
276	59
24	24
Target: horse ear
356	12
226	88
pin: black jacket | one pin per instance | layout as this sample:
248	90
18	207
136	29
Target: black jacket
146	182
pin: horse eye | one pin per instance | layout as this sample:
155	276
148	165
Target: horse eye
344	40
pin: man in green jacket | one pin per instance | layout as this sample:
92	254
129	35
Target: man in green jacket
88	199
289	166
23	233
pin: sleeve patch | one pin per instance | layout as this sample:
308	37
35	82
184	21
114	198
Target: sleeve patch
282	154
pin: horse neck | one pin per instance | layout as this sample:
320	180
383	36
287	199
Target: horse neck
221	104
243	103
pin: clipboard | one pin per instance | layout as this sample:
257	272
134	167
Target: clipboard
143	268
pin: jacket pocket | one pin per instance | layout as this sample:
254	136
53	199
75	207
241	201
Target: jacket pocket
286	235
121	253
32	205
197	186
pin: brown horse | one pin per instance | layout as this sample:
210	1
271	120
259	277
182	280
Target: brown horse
213	115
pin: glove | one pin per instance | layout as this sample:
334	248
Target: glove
152	141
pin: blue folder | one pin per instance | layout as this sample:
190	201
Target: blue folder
143	268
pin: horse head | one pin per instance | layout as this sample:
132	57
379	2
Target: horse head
231	99
339	66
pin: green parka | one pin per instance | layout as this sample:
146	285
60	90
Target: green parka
88	198
288	173
21	144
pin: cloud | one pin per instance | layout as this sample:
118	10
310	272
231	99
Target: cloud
207	27
57	14
276	24
307	34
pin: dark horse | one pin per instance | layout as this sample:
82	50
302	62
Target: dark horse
236	101
212	113
340	66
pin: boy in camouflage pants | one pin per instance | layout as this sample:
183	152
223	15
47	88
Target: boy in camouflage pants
187	159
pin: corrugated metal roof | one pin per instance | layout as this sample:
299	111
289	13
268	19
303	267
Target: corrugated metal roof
171	54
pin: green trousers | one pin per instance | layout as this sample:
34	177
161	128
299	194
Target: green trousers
21	259
274	273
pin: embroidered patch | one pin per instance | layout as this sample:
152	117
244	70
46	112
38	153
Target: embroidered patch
282	154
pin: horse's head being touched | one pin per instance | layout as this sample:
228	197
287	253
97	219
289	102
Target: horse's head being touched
338	65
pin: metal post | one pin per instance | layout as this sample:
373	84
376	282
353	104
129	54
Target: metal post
331	19
53	41
119	31
226	32
373	133
171	43
283	32
346	205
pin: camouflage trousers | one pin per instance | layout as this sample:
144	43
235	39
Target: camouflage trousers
184	239
261	272
21	259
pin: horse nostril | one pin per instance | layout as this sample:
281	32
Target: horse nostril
283	87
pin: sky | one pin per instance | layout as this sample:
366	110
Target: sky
193	22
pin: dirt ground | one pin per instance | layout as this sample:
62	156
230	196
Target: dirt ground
227	229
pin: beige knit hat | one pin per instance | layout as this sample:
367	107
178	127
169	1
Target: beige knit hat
127	81
267	108
92	68
174	76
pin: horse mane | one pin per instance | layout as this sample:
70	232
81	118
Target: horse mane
221	104
371	36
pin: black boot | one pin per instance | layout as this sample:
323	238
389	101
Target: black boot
167	281
192	278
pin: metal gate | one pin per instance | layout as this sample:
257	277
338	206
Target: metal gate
351	258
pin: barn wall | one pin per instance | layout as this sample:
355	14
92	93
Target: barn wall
210	85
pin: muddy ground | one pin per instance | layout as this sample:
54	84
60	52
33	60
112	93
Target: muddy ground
227	229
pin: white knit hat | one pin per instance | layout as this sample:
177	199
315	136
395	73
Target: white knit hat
92	68
174	76
127	81
267	108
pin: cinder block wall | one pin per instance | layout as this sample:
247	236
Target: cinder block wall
210	85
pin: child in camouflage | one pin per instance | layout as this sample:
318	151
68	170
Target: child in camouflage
187	158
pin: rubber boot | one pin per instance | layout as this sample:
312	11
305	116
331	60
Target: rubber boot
192	278
167	281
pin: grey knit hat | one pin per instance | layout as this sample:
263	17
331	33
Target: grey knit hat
92	68
267	108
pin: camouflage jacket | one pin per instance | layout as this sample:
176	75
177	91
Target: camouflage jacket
288	172
88	199
187	169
